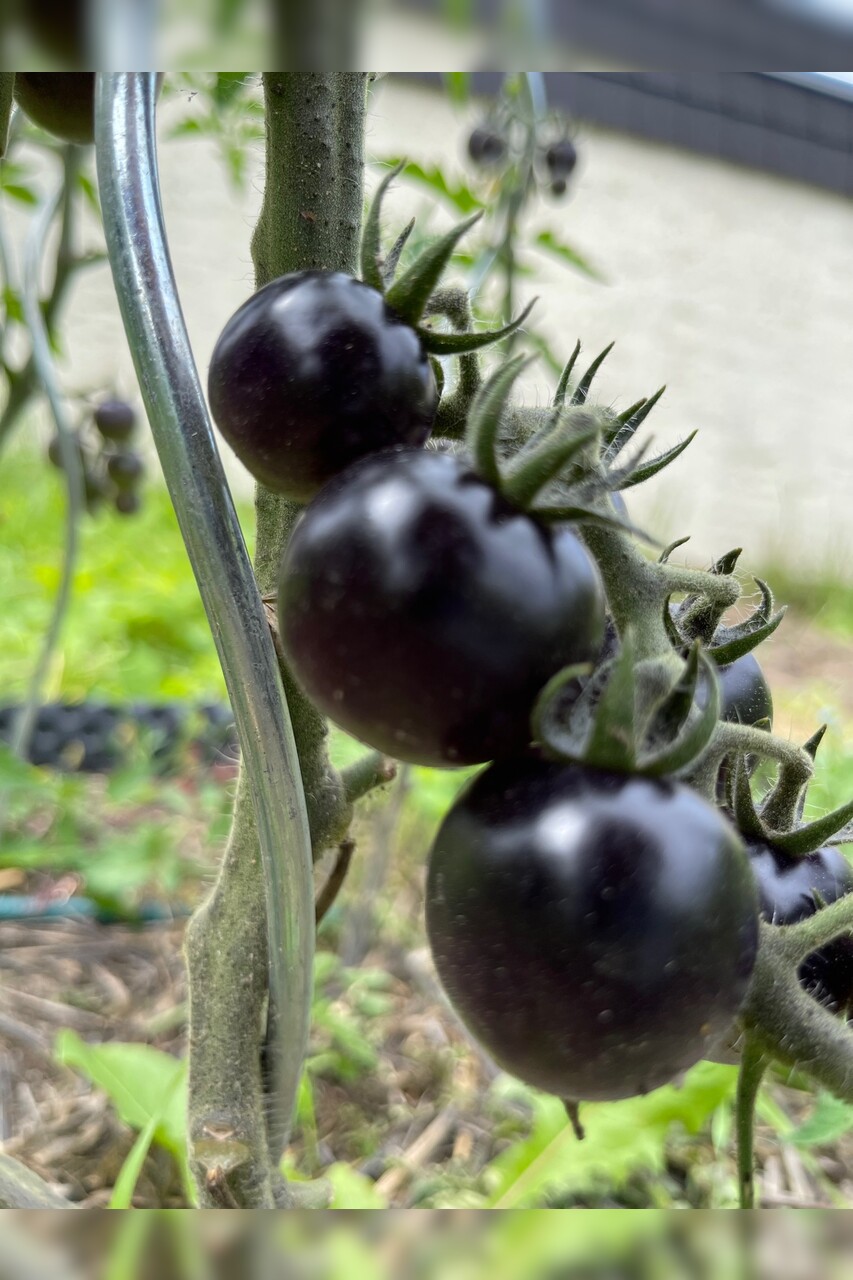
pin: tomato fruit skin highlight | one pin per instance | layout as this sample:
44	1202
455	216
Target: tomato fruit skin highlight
313	372
423	613
786	889
595	931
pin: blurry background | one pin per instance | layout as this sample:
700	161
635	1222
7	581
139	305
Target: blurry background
715	212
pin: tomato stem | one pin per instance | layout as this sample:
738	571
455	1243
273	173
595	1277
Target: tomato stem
752	1068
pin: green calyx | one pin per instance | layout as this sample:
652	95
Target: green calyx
555	473
777	818
409	294
699	617
629	717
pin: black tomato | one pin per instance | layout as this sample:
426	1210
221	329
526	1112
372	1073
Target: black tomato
786	891
126	502
423	613
596	932
125	470
561	158
63	102
485	146
313	372
115	419
744	693
59	28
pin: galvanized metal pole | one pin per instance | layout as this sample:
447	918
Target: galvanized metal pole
145	284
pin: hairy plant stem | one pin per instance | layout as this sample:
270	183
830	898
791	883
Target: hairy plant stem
45	375
752	1068
24	381
310	217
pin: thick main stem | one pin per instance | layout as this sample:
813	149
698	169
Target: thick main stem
311	217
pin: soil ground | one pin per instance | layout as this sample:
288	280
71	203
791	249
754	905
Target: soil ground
420	1118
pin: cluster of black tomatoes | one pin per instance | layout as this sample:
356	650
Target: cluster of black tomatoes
112	470
596	930
490	143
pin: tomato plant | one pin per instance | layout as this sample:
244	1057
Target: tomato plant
591	907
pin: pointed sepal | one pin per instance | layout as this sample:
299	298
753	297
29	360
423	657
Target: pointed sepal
624	431
486	416
566	376
460	344
582	389
613	741
649	469
409	294
371	236
697	729
392	258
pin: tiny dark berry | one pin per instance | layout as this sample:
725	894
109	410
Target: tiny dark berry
561	158
125	469
559	187
115	419
486	147
127	503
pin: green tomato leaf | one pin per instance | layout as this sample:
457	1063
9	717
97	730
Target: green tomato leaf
830	1119
621	1137
125	1183
22	194
549	242
457	195
352	1190
143	1084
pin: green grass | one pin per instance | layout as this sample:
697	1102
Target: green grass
135	629
827	601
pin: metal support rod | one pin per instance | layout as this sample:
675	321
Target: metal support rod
142	271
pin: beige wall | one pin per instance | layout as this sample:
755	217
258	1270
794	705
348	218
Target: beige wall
731	286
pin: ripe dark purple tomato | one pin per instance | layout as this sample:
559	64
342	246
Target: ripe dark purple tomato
115	419
62	102
485	146
561	158
125	470
423	613
313	372
127	502
745	696
595	931
786	892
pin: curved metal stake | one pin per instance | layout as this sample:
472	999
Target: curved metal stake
145	284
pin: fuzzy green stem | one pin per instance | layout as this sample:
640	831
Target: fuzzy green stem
634	592
310	217
787	1024
818	930
455	306
45	375
24	381
752	1068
